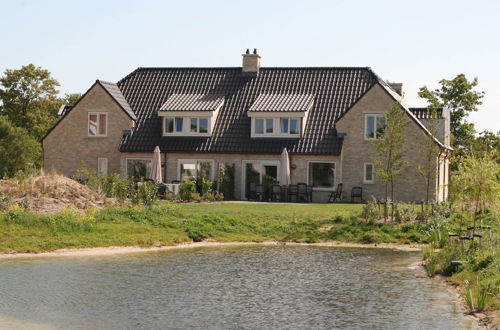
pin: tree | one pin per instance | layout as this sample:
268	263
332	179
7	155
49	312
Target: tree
486	142
30	99
459	96
430	150
391	148
18	150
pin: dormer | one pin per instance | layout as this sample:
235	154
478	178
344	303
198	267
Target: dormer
280	115
190	114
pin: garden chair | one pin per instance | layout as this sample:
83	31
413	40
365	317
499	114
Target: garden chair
357	192
292	191
251	191
259	192
336	195
302	193
276	193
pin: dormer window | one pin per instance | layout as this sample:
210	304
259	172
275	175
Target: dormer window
190	114
279	116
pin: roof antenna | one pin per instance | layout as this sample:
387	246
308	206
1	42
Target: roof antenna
255	51
248	51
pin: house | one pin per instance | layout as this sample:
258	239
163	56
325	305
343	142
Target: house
203	118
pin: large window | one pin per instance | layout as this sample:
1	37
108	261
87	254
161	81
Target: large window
369	175
139	168
374	126
277	127
322	175
193	169
97	124
186	125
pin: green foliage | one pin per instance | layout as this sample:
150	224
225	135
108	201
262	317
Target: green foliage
227	181
186	190
19	152
404	212
122	188
146	193
206	187
196	197
391	148
459	96
29	99
437	231
476	183
370	210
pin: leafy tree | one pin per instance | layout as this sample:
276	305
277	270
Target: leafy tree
18	150
391	148
487	142
459	96
30	99
430	150
71	99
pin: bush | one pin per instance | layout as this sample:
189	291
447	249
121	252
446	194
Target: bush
404	212
186	190
437	231
370	210
206	187
227	181
196	197
146	193
122	189
444	210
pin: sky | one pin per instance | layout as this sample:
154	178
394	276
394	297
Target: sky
414	42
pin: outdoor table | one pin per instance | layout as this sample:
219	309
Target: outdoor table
173	187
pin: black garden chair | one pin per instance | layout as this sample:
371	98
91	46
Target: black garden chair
302	193
292	191
259	192
357	192
276	193
336	195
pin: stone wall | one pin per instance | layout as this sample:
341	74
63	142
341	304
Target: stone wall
68	147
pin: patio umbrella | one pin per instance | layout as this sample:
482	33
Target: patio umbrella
285	168
156	166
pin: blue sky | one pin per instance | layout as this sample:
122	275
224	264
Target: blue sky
413	42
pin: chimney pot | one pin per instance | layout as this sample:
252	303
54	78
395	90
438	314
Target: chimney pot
248	51
255	51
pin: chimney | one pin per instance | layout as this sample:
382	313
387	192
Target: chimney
251	62
398	87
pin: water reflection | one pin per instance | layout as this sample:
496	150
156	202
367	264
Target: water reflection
226	288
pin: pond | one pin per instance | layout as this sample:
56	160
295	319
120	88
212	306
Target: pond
248	287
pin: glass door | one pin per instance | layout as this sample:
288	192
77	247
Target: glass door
258	172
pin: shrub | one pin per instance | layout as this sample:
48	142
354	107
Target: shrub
146	193
186	189
206	187
444	210
370	210
219	196
371	237
437	231
227	181
196	197
404	212
122	189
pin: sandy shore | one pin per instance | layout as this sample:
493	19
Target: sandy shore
115	250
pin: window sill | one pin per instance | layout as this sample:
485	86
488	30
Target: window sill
368	182
96	136
322	189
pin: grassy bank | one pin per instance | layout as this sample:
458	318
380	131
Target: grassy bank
167	224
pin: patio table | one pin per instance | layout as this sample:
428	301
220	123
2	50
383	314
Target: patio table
173	187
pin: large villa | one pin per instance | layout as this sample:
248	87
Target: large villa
205	118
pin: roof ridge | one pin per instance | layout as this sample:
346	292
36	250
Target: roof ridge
239	67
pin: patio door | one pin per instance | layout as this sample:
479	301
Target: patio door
258	172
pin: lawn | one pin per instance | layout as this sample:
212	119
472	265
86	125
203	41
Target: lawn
169	223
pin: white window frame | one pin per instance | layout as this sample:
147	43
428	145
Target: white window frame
262	163
365	180
375	115
98	113
136	158
334	175
276	127
99	169
186	126
195	160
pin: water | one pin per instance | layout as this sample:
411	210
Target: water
266	287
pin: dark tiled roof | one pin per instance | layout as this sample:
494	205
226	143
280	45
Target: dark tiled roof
282	102
335	90
193	102
426	113
115	93
63	110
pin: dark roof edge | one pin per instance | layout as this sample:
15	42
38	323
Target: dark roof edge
239	67
121	149
102	83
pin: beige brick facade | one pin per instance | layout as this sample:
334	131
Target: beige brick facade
68	147
356	151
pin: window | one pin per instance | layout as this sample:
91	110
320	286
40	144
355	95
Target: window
169	125
193	169
369	174
97	124
195	125
284	125
294	126
179	123
289	126
102	165
374	126
322	174
269	125
259	126
139	168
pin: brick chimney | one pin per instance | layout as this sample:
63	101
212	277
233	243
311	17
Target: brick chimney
251	62
398	87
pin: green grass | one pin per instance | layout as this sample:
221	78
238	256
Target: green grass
168	224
